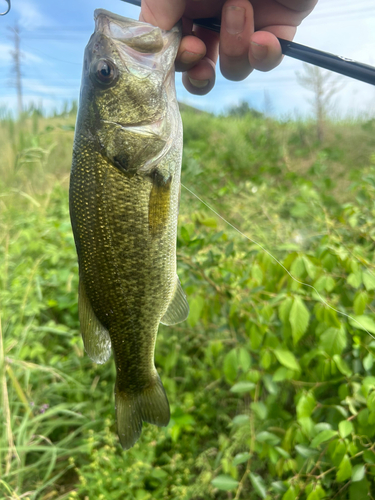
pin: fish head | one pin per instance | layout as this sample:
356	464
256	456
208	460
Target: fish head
128	90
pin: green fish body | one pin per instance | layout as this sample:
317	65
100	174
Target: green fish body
124	200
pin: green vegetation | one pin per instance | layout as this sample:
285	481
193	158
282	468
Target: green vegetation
272	392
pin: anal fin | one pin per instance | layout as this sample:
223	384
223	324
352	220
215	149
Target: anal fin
95	336
178	309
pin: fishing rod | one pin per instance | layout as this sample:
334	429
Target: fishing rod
338	64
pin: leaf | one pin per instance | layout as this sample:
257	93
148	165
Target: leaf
317	494
305	452
224	483
241	419
310	268
257	273
343	411
281	374
184	234
240	458
260	409
278	486
355	279
368	362
244	359
369	457
330	284
306	405
290	494
299	319
359	490
368	385
230	366
342	366
196	307
363	322
266	359
282	452
159	473
297	269
307	425
360	302
287	359
358	473
333	341
209	222
323	436
320	283
345	428
284	310
256	337
258	485
267	437
368	280
242	387
345	470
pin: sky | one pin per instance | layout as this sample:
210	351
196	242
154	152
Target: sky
54	35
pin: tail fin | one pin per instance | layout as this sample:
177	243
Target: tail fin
151	405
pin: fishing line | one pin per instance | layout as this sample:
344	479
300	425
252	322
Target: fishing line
277	261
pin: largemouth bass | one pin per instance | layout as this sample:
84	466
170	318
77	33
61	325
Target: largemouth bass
124	200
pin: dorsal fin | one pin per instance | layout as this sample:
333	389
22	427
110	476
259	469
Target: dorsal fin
178	309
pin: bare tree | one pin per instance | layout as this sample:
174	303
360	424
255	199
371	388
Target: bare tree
324	86
16	54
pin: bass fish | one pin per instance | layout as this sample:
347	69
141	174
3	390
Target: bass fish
124	201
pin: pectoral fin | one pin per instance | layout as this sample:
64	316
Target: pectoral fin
95	337
178	309
159	204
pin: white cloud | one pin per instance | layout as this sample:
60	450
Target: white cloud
29	15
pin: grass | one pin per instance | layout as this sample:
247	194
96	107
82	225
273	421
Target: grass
242	409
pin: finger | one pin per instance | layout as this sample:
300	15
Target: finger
265	50
237	26
283	12
210	40
200	79
163	13
192	49
305	6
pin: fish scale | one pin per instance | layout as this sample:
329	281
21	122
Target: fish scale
124	198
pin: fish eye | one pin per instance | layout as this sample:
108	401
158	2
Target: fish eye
105	71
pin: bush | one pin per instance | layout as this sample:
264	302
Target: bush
271	379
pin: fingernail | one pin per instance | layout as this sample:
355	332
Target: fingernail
234	19
198	83
259	51
189	57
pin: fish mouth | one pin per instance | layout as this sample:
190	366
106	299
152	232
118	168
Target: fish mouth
140	36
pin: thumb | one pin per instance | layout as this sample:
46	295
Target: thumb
162	13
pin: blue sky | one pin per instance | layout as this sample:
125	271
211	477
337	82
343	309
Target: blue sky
54	35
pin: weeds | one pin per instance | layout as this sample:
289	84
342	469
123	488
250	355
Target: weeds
271	392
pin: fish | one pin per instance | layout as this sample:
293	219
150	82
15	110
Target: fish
124	200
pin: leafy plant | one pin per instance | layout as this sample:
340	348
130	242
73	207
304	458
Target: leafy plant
271	379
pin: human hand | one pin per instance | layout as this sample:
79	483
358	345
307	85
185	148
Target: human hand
247	40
